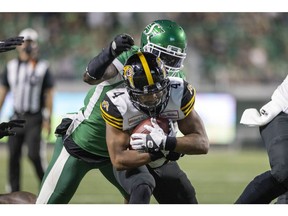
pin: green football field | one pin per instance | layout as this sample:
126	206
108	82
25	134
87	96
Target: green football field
218	177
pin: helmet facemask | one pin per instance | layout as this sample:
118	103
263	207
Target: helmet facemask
173	57
167	40
153	99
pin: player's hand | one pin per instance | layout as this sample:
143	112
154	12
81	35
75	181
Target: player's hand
121	43
173	128
10	43
154	141
5	127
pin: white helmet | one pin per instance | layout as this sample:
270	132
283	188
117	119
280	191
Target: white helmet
29	34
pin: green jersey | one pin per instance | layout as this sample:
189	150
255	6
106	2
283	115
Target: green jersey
88	129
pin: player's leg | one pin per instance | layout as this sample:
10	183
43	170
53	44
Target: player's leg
283	199
33	141
15	150
269	185
172	185
62	176
107	172
138	183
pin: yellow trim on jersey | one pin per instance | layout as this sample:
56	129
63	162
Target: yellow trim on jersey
111	120
189	103
189	108
146	68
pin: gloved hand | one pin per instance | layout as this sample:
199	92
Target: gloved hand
154	141
173	128
5	127
10	43
121	43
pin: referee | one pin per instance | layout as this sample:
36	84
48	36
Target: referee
31	84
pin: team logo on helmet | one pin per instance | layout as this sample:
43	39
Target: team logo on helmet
105	105
153	29
128	75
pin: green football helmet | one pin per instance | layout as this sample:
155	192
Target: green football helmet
167	40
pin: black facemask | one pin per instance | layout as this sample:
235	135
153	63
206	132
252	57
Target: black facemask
28	49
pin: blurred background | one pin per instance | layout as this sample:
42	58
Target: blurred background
241	55
234	60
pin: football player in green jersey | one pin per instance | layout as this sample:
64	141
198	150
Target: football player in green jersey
81	144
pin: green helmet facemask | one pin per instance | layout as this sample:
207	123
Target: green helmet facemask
167	40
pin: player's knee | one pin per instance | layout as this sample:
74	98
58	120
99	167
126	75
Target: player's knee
280	173
140	194
147	180
33	157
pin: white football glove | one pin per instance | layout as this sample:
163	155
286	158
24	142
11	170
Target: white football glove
173	128
152	142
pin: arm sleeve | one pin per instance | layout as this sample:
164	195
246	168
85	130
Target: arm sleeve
188	99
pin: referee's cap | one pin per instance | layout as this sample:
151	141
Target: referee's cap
29	34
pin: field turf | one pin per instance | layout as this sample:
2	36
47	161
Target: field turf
218	177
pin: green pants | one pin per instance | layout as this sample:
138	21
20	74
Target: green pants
65	173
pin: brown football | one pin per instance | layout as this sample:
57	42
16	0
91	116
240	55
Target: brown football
162	122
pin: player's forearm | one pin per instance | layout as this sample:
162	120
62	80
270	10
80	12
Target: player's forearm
130	159
192	144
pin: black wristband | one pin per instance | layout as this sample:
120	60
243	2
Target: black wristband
97	66
156	155
170	143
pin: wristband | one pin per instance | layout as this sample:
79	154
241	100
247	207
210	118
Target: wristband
170	143
156	155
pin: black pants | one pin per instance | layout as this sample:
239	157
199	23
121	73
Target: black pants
267	186
31	136
275	137
169	184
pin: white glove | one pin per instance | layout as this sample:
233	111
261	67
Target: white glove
252	117
152	142
173	128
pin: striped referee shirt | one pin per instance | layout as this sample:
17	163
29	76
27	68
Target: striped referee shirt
27	82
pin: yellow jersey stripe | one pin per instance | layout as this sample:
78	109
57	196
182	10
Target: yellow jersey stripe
115	122
112	117
111	123
188	109
146	68
189	103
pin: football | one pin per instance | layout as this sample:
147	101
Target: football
162	122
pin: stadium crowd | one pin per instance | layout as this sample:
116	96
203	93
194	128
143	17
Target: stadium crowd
223	48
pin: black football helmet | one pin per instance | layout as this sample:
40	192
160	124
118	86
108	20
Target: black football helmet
147	83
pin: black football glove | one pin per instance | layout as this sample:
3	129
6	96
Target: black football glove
5	127
10	43
121	43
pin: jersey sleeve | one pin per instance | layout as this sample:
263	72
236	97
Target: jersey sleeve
48	81
188	99
121	59
111	114
4	78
